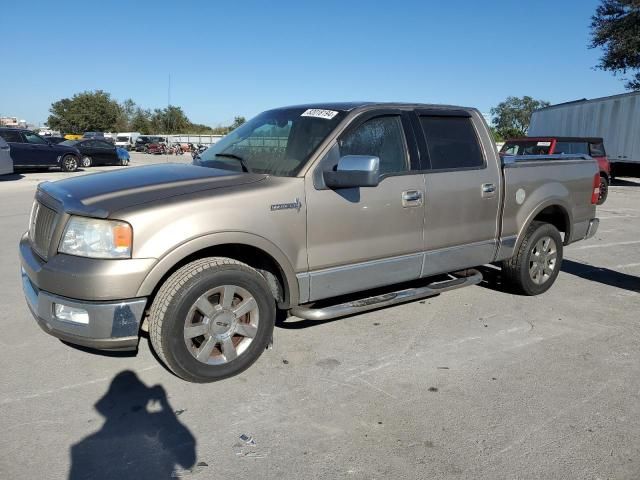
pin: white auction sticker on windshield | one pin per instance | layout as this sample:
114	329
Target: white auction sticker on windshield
319	113
544	144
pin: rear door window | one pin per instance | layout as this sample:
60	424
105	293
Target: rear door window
562	148
580	148
452	143
571	148
11	136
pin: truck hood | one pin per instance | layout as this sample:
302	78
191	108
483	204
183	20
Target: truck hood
101	194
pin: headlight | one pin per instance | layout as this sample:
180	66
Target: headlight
90	237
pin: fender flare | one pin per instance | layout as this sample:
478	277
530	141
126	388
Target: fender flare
194	245
554	202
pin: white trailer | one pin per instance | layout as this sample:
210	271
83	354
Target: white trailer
616	119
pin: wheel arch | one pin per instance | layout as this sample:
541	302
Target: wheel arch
552	212
253	250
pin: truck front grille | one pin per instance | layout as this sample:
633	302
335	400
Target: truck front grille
41	226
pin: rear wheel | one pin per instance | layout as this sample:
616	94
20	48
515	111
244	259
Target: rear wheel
69	163
537	262
212	319
86	161
604	189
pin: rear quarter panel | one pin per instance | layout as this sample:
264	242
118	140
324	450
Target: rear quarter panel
531	186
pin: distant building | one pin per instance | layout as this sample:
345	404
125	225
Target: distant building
12	122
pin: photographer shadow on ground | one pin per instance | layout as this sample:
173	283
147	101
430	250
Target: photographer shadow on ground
141	437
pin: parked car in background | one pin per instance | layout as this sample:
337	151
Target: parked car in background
6	164
142	142
107	137
28	149
72	136
55	140
126	140
93	135
95	151
158	146
123	155
565	146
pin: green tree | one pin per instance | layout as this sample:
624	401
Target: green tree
496	136
141	121
615	28
84	112
237	121
511	118
170	120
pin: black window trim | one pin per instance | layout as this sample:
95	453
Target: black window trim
424	144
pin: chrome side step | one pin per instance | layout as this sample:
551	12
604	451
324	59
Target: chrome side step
460	279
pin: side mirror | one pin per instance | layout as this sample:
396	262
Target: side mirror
354	171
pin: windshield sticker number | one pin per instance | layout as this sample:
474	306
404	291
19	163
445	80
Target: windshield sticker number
544	144
319	113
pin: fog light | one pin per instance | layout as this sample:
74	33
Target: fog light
70	314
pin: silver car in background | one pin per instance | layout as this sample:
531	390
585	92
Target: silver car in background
6	164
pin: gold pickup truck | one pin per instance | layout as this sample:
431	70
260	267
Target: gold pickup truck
302	209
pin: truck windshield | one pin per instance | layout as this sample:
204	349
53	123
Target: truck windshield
526	147
122	139
277	142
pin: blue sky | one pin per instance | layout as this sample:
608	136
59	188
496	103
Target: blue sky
243	57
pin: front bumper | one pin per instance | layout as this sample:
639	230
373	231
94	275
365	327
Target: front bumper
111	325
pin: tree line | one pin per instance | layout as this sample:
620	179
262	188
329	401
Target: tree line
97	111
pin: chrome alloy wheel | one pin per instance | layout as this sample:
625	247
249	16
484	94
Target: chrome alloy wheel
221	324
543	260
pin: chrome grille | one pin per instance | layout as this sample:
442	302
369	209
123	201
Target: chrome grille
41	226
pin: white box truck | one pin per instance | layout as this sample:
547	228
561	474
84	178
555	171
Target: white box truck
616	119
126	140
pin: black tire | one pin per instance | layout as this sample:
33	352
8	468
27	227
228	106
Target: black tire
516	272
86	161
69	163
175	301
604	189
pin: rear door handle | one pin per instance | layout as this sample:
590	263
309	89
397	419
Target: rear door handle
488	190
411	198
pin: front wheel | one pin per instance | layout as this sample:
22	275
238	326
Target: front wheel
535	266
69	163
212	319
124	162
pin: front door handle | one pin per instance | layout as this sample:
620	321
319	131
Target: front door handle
488	190
411	198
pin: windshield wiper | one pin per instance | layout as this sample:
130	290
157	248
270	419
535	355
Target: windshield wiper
240	159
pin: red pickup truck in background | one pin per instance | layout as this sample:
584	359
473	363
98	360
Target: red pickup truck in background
592	146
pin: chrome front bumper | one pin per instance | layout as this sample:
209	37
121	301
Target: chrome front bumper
110	326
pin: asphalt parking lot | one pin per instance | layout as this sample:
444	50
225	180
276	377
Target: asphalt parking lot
473	384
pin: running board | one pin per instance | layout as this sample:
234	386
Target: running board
460	279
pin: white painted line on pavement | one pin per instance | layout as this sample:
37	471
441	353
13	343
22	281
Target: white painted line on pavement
605	245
